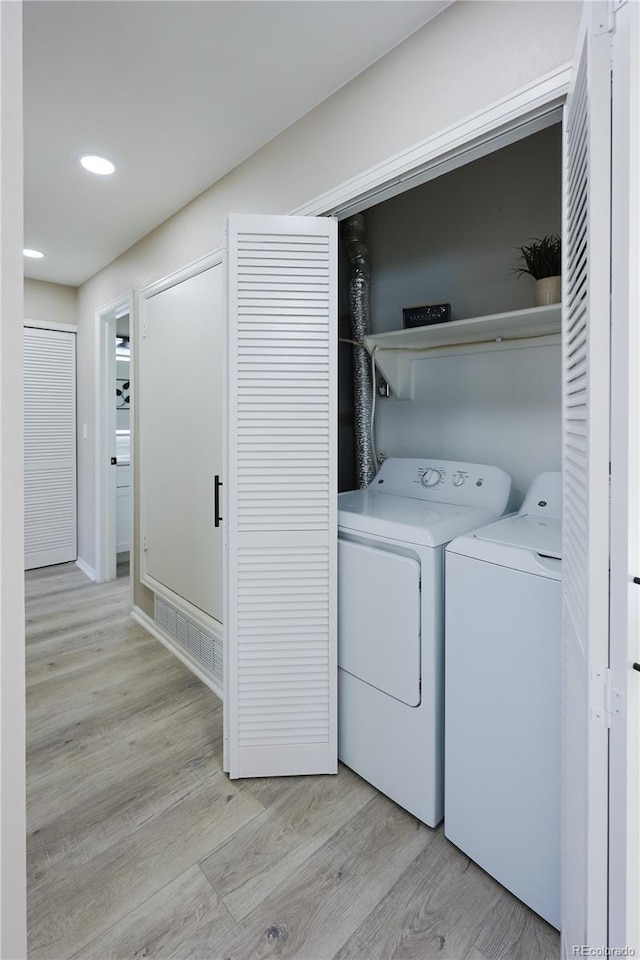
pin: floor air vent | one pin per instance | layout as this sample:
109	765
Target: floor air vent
203	647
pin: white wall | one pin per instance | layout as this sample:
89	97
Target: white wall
50	302
468	57
13	925
454	240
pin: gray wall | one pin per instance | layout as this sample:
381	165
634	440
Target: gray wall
50	302
454	240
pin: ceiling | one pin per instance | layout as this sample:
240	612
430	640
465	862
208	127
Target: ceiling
177	93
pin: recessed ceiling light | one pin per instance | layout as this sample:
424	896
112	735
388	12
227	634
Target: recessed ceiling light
95	164
35	254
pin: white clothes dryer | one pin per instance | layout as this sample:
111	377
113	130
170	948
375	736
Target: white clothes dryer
391	540
503	726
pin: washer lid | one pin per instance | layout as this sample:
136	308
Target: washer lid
407	520
529	531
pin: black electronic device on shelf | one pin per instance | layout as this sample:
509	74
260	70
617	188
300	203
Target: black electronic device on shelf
423	316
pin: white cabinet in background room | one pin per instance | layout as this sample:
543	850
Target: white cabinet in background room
123	508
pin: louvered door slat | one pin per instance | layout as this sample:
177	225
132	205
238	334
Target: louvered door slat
586	331
49	447
280	615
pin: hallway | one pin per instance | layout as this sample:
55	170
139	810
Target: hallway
139	845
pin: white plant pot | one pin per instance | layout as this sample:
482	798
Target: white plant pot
548	291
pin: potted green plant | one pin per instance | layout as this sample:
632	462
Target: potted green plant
542	259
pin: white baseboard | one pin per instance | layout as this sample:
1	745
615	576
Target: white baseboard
86	569
167	641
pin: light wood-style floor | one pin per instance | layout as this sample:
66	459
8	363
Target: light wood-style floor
139	845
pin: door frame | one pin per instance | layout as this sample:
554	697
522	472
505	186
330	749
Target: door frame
47	325
105	326
522	113
624	773
13	829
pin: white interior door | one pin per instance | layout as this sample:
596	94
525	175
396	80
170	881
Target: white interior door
586	380
50	523
280	658
180	409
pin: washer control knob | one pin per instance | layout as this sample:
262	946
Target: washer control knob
458	480
431	477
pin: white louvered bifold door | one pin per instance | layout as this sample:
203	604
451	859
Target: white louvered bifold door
585	569
280	497
624	758
49	447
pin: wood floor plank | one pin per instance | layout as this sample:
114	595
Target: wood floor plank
50	612
63	582
104	717
260	857
513	932
68	783
268	790
95	607
435	910
75	639
181	922
64	607
312	913
95	649
91	676
75	907
117	789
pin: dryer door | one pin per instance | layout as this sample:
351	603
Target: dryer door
379	619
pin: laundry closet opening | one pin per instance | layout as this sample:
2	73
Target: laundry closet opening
455	240
465	422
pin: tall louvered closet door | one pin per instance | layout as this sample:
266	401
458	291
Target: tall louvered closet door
49	447
280	497
586	413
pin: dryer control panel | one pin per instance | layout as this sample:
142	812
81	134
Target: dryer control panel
445	481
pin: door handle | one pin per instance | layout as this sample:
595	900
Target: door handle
217	483
114	461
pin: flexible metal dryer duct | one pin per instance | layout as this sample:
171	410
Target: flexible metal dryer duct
353	235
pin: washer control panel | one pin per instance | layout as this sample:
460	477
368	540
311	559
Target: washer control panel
431	477
445	481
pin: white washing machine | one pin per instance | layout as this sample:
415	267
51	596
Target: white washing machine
390	619
503	658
